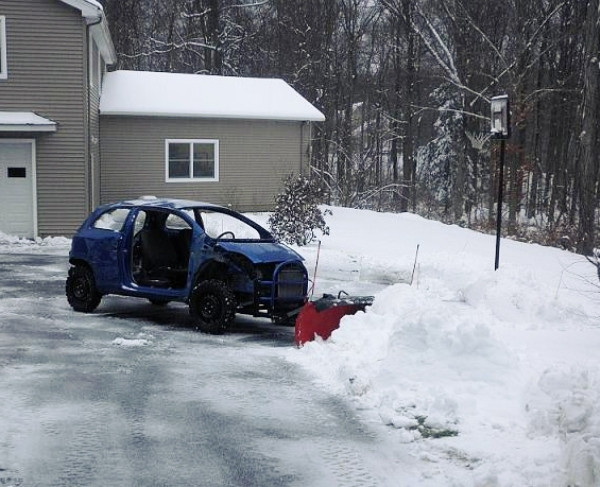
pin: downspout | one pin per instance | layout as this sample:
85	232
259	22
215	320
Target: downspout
90	168
301	147
306	151
309	147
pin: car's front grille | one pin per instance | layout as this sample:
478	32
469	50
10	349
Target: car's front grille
282	287
290	282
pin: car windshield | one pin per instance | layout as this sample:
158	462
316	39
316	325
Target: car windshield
221	225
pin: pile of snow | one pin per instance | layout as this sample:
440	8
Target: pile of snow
488	378
14	244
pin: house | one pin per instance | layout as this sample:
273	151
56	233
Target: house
226	140
73	135
53	54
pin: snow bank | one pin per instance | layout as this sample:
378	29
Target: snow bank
14	244
494	373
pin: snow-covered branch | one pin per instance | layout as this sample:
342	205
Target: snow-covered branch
454	110
246	5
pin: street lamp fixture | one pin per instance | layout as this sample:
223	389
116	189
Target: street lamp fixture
500	130
500	117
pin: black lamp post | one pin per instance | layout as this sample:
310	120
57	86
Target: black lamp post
500	131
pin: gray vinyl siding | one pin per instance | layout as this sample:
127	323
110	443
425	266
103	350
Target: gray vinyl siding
254	157
46	50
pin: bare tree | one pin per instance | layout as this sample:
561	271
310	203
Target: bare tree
589	136
405	87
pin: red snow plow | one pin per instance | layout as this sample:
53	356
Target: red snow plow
321	317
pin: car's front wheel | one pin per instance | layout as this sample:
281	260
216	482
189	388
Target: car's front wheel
212	304
284	320
81	289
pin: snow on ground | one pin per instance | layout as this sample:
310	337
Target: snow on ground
13	244
474	377
143	340
489	378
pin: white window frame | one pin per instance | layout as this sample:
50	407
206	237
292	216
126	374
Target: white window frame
3	48
191	143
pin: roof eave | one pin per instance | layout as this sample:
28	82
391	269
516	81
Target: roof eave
30	128
101	35
87	9
300	118
95	18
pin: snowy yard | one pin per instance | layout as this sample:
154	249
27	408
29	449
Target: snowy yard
467	377
504	366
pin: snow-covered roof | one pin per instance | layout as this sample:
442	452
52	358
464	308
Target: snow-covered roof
25	122
203	96
93	13
89	8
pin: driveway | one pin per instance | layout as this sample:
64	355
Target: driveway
133	395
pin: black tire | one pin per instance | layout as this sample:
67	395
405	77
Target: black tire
159	302
284	320
81	290
212	304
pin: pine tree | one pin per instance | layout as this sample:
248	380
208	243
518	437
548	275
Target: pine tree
297	214
438	159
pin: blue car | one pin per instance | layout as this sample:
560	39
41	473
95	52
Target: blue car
214	259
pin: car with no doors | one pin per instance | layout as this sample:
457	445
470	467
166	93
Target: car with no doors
216	260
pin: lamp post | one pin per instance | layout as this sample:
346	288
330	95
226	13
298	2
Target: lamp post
500	130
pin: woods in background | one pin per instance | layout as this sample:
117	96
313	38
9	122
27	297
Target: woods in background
405	86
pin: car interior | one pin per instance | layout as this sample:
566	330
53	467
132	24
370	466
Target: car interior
161	249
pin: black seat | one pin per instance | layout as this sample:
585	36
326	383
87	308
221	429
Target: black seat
157	248
161	265
183	242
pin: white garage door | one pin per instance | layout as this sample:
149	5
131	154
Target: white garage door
16	188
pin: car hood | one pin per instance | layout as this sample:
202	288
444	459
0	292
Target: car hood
259	252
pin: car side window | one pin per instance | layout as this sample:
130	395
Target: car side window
112	220
175	222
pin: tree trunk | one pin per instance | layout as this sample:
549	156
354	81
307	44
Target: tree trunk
213	59
589	134
408	159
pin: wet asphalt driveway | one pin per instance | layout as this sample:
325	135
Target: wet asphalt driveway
133	395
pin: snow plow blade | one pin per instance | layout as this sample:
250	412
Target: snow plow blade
321	317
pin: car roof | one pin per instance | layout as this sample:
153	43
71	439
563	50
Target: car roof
167	203
173	204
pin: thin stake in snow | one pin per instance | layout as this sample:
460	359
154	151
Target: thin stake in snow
312	289
412	276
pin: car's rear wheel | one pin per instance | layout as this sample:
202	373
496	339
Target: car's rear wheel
81	290
212	304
